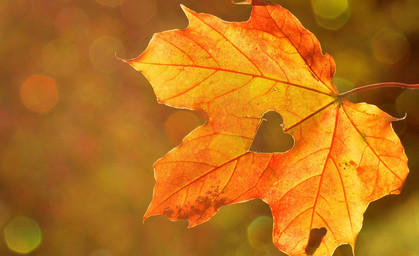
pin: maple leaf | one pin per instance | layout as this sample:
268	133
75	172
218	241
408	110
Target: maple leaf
345	155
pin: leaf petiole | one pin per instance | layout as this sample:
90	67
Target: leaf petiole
378	85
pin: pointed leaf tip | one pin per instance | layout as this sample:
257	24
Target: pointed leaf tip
186	10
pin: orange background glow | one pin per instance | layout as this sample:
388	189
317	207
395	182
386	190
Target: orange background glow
80	130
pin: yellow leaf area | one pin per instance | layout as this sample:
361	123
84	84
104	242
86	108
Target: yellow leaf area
345	155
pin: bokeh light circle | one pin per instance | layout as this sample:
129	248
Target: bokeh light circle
39	93
73	24
60	57
102	53
331	14
389	46
329	9
259	232
22	235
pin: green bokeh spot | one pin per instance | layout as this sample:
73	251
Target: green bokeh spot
329	9
22	235
259	233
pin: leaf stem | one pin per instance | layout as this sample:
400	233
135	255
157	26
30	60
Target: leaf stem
378	85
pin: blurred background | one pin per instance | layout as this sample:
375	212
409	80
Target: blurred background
80	130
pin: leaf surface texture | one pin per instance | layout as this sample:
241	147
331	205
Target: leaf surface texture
345	155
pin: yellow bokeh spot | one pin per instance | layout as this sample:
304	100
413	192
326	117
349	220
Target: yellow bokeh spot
259	232
39	93
331	14
329	9
389	46
22	235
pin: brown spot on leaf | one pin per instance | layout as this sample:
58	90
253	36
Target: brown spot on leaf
181	214
168	212
220	202
204	203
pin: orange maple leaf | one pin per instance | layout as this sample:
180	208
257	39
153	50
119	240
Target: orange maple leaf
345	155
